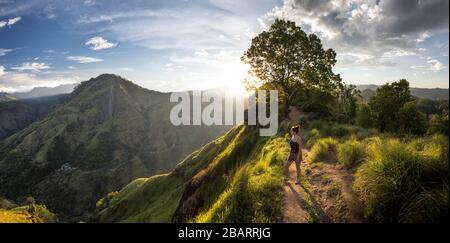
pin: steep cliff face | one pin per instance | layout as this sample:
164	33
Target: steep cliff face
107	133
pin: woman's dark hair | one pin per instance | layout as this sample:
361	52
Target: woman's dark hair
296	129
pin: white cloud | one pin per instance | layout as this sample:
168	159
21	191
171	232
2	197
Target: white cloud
424	36
14	20
202	53
433	65
49	51
90	2
9	22
49	12
98	43
400	53
250	34
168	29
2	71
383	29
31	66
4	51
24	81
83	59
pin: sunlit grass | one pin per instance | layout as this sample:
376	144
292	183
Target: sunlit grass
405	181
350	153
255	193
323	150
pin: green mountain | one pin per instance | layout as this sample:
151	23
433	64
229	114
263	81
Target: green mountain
107	133
236	178
422	93
15	115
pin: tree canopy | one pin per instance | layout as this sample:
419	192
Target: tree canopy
295	63
394	109
386	103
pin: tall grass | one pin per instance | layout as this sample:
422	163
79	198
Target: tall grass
405	181
255	193
323	150
311	137
350	153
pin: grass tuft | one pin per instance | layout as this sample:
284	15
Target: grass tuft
403	181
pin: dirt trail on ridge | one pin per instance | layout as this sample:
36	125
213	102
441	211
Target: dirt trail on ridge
324	195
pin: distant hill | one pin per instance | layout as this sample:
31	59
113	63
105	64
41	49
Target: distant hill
15	115
432	94
107	133
43	92
6	97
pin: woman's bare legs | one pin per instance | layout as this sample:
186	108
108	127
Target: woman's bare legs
297	167
286	169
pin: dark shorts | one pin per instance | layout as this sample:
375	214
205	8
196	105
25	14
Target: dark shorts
293	157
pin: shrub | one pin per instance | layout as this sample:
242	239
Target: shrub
311	137
430	206
303	122
350	153
40	214
323	150
37	210
328	129
364	116
365	133
318	124
438	124
411	120
398	178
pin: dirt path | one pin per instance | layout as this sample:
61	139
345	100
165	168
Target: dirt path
324	195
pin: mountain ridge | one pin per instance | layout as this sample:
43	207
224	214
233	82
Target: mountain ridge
423	93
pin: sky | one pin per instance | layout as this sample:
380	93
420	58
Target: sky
174	45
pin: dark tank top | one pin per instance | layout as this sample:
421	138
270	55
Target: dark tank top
295	147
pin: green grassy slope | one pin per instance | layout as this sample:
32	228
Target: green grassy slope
27	213
236	178
23	215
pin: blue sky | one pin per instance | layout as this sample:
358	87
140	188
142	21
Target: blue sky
196	44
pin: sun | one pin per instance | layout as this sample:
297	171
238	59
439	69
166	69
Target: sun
233	77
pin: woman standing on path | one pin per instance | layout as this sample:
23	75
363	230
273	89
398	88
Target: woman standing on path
295	155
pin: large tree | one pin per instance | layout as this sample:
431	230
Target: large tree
286	58
395	109
386	103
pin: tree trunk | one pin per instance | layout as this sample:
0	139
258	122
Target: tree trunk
287	105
